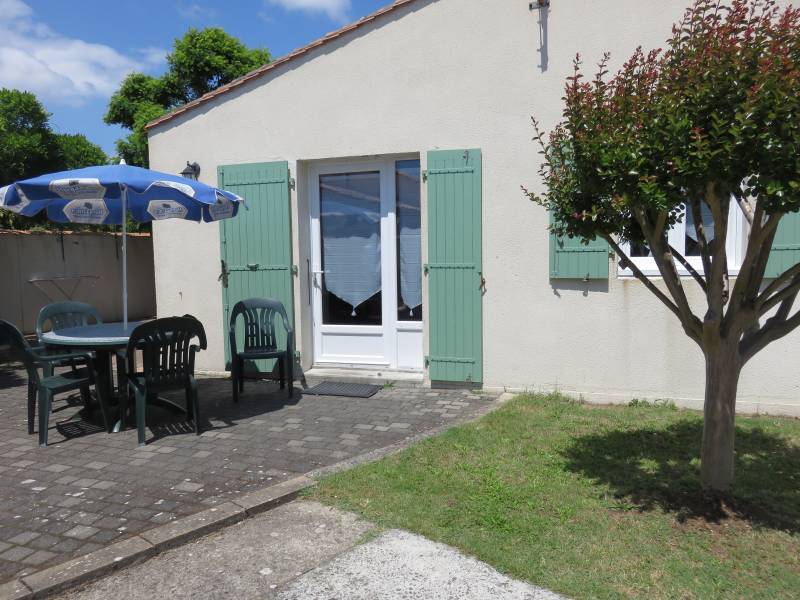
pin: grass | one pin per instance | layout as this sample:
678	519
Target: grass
597	502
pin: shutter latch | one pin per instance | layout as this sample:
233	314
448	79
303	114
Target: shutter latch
425	175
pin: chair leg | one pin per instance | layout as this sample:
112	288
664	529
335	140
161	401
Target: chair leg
235	379
124	405
31	405
45	399
290	374
195	404
241	375
282	372
141	397
86	397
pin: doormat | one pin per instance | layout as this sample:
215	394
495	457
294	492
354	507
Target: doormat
353	390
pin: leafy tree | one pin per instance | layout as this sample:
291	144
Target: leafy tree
201	61
204	60
28	147
76	151
712	119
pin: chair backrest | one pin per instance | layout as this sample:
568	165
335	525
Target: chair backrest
167	350
259	323
19	348
62	315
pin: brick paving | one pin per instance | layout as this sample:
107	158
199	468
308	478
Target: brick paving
88	489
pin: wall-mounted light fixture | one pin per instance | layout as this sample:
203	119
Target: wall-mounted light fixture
539	4
192	170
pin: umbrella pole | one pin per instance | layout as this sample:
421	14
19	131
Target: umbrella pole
124	257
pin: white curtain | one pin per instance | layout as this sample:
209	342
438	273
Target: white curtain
351	235
409	233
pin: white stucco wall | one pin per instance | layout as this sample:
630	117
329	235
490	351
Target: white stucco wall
458	74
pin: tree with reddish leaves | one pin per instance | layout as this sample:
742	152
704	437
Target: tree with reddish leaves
712	119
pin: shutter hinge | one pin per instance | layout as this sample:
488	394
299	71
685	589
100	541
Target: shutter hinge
292	183
425	175
295	270
425	268
427	361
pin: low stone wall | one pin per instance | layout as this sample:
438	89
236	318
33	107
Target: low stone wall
39	268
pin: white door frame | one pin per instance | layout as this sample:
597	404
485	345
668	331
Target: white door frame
373	345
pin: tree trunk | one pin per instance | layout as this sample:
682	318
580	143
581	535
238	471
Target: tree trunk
723	366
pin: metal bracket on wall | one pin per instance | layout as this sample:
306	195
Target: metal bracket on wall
539	4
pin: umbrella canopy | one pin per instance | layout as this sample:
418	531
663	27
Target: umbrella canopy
102	195
95	195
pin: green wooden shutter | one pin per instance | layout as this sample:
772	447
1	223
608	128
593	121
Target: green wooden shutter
454	266
256	245
785	252
571	259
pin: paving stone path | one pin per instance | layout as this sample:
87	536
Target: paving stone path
306	551
88	488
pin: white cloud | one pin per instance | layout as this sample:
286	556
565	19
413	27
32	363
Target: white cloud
196	12
337	10
57	68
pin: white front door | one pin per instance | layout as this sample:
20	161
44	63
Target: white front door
367	268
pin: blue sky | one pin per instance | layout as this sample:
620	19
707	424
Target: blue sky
73	54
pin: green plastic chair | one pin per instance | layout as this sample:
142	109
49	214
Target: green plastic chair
260	340
167	364
62	315
46	387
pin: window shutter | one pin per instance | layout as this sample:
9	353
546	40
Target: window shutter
455	322
572	259
785	252
256	244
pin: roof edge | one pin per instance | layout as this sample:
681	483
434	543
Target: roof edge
262	70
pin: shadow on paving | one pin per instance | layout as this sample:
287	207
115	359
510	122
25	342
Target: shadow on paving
10	376
88	489
217	411
658	469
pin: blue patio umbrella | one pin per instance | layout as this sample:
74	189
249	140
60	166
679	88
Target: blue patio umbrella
102	195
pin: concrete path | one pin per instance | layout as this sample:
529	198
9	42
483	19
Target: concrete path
304	550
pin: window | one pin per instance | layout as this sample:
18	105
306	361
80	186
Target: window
409	241
683	238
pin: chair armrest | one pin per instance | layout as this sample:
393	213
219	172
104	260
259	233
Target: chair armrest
193	349
48	358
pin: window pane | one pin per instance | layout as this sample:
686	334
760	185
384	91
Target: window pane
691	247
350	224
409	241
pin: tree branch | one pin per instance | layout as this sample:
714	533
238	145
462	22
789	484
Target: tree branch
656	238
774	329
718	276
688	266
789	292
741	310
702	241
627	263
776	283
747	208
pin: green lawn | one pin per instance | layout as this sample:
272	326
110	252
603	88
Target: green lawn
597	502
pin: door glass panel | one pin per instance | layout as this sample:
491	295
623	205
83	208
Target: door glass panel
409	241
350	225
